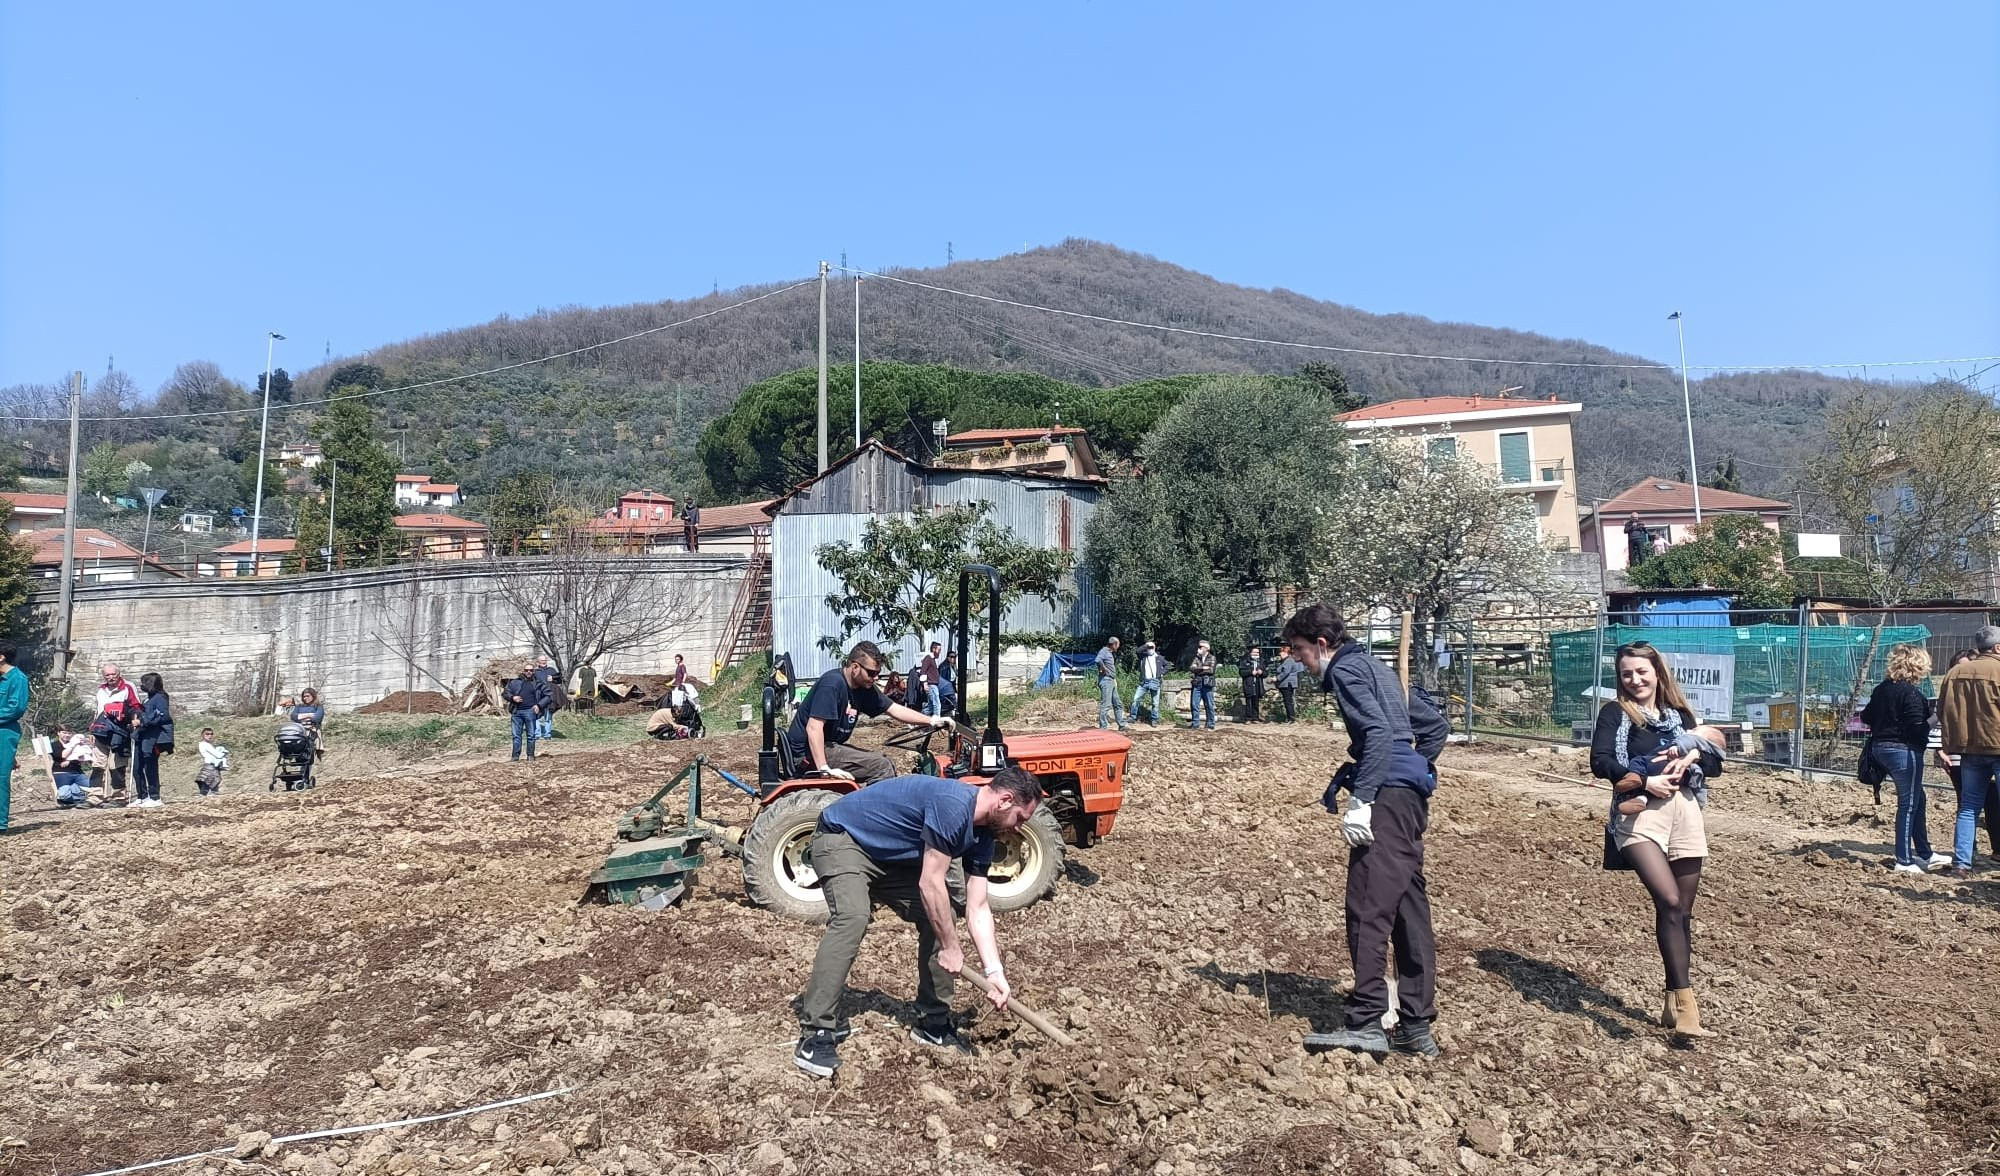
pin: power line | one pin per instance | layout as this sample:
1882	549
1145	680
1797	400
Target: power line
508	367
1651	367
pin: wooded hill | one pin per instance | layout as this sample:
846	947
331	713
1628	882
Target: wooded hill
632	414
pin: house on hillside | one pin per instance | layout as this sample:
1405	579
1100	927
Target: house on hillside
34	511
1527	443
875	481
100	559
303	454
1060	451
419	490
643	522
235	561
742	529
442	536
1665	506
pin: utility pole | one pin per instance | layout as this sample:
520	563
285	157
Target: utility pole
1687	407
857	363
263	446
332	496
822	367
68	593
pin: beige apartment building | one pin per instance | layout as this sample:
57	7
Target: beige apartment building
1527	443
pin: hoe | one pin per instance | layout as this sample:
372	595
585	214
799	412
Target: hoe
1082	775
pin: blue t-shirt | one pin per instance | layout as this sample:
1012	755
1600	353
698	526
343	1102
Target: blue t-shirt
895	820
828	701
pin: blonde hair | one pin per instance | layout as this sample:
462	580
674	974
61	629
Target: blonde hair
1666	691
1909	663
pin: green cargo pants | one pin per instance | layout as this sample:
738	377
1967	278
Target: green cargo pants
853	883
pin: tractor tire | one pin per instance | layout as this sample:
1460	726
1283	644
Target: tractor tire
1026	863
776	871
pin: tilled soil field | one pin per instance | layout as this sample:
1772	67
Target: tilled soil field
388	948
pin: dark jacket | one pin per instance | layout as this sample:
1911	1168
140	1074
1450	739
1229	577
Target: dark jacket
1898	713
1201	671
1252	673
1376	713
1644	740
155	731
1430	729
532	694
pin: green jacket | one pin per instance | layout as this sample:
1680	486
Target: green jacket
13	699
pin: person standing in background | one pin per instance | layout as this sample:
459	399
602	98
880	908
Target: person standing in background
1251	670
1968	709
545	675
117	707
13	704
932	668
1152	669
1286	675
1201	686
152	738
1108	710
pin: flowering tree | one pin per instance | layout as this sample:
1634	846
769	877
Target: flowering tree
1426	532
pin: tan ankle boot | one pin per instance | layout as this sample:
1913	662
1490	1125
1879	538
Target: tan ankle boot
1667	1014
1687	1018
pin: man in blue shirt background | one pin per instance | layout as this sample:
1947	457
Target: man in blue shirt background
896	843
825	720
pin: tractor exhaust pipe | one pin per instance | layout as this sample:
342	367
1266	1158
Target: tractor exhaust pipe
992	748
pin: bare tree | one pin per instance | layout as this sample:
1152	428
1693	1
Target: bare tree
581	604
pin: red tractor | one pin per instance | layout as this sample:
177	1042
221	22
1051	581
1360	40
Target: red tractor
1082	775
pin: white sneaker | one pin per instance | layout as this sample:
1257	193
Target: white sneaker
1939	860
1912	868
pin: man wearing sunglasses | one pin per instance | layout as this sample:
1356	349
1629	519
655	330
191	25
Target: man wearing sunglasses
825	721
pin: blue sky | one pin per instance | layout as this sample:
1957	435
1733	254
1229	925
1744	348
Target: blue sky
1810	182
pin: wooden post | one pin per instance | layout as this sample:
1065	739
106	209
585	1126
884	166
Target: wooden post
1403	653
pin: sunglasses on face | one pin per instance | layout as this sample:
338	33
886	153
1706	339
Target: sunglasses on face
871	671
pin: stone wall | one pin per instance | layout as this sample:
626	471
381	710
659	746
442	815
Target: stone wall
348	633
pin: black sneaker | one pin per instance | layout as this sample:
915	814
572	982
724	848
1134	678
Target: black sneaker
942	1037
816	1055
1367	1039
1413	1037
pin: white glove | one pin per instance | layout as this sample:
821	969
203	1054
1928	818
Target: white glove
940	722
1357	823
837	774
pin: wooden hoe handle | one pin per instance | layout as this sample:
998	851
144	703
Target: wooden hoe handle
1020	1010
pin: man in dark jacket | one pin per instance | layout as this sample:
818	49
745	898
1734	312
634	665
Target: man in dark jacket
526	699
1387	809
1251	670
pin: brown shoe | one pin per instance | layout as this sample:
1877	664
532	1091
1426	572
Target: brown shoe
1687	1018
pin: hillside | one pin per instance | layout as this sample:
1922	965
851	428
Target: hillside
702	367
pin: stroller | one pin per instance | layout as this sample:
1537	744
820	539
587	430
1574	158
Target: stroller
298	751
680	717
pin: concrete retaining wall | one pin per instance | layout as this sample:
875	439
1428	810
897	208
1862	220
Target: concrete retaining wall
347	633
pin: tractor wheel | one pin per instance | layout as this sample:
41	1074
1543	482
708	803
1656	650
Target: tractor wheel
1026	863
776	870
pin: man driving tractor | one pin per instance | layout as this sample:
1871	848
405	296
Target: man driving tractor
825	721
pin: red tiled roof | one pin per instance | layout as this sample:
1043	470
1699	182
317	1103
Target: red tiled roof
436	522
438	488
644	496
413	477
25	501
264	547
994	436
91	543
1444	405
1664	496
744	514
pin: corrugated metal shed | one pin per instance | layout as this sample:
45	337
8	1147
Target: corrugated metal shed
1046	512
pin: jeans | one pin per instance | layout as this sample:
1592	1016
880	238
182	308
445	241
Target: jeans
1147	696
525	724
545	725
1108	710
72	788
1906	767
1198	697
146	774
931	700
1977	789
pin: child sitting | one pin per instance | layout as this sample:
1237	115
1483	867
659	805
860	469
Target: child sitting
214	762
1676	742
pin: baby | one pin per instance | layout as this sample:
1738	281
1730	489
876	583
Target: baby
1703	738
214	762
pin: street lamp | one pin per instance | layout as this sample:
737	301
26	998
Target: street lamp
263	442
1687	407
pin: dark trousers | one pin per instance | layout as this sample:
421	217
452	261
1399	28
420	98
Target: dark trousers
146	774
1290	695
1387	905
853	883
1253	707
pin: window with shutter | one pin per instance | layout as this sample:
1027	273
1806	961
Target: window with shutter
1514	458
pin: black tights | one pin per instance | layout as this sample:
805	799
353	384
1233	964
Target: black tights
1672	885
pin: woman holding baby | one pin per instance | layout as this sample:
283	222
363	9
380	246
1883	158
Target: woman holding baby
1658	761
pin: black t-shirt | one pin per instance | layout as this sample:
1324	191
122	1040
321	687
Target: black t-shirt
828	701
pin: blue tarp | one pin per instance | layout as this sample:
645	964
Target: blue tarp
1058	662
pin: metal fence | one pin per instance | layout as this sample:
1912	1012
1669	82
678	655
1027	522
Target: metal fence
1787	686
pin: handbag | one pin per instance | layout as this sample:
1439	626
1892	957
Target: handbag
1870	771
1614	857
